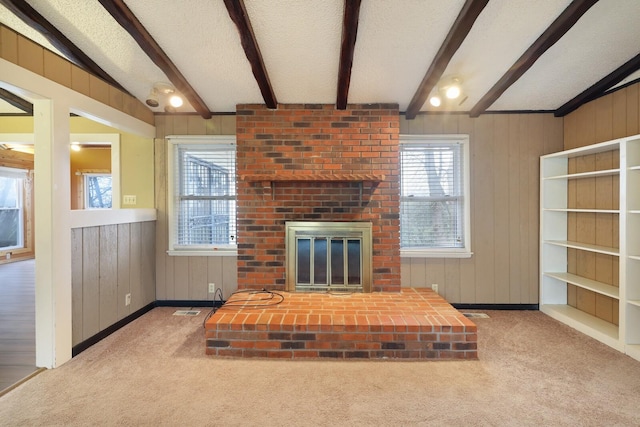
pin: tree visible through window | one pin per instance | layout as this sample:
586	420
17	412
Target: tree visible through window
432	203
204	214
98	191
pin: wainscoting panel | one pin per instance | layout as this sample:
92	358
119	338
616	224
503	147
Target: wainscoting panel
109	262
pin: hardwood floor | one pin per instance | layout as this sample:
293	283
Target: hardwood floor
17	322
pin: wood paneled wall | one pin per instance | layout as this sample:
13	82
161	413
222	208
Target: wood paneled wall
187	277
107	263
30	55
505	174
505	151
612	116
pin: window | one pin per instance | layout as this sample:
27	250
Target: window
97	191
434	196
11	208
202	187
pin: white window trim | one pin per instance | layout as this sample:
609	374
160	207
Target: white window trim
191	250
464	252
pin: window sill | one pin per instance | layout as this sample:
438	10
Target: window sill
203	252
433	253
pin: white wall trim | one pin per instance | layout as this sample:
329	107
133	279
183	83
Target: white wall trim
52	105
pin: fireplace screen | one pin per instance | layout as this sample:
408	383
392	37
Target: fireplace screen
328	256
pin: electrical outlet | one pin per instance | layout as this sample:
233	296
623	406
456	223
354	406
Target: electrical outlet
127	299
8	255
434	287
212	288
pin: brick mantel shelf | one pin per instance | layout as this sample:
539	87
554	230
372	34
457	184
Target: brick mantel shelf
366	180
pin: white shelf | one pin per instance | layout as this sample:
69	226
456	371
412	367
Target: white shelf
554	231
607	211
583	282
585	247
589	149
580	175
597	328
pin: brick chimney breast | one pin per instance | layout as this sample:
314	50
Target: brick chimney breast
311	162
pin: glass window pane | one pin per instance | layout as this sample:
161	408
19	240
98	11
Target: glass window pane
337	261
320	261
304	261
98	188
353	262
9	192
432	203
10	213
206	190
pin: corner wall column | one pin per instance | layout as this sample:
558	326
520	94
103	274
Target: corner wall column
52	233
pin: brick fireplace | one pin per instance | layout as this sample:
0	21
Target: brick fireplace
312	162
302	165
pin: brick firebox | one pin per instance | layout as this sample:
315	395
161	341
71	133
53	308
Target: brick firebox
312	162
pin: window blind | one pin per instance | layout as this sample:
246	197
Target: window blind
205	195
432	195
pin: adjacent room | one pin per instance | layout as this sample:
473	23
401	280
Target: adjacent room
386	201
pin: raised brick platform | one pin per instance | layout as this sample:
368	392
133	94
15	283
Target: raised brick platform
411	324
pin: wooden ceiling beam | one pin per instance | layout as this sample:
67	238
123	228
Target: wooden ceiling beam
16	101
125	17
347	49
458	32
32	18
238	14
602	86
551	35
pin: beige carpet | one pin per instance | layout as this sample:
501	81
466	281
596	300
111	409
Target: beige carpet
532	371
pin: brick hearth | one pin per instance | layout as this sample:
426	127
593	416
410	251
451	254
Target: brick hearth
411	324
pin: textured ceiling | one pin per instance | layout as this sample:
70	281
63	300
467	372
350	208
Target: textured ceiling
300	42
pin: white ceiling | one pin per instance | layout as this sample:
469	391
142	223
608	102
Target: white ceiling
396	43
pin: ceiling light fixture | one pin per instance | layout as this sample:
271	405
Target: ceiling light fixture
161	92
447	88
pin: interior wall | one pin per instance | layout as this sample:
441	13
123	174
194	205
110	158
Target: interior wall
612	116
505	175
110	262
505	151
187	277
136	155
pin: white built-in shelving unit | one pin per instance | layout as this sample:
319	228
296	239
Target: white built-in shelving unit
623	335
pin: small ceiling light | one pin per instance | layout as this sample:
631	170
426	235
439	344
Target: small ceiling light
164	92
152	99
453	92
175	101
435	101
451	87
75	146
